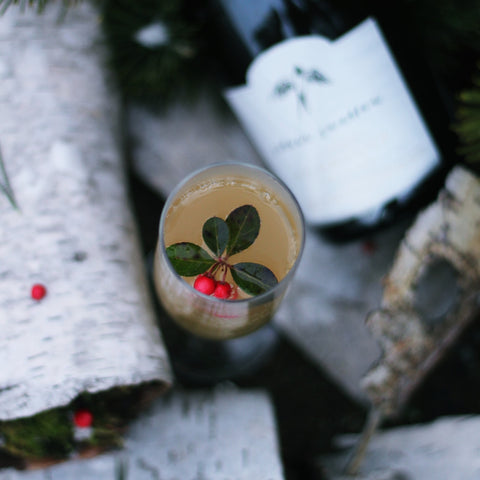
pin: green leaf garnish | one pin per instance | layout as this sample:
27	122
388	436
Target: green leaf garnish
189	259
253	278
215	234
225	238
244	225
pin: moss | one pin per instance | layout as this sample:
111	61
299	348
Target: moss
46	435
50	434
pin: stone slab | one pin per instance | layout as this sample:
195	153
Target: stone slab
446	449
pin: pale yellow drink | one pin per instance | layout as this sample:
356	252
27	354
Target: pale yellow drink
216	191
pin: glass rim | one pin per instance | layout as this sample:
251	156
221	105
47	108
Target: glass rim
171	196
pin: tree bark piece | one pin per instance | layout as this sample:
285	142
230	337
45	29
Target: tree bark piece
73	230
447	231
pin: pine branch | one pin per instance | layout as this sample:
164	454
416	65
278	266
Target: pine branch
451	37
468	122
157	48
5	187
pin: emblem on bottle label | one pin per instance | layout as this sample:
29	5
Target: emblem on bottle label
299	84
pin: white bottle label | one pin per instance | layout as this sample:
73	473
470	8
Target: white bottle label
336	122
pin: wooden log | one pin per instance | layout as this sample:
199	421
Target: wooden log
70	226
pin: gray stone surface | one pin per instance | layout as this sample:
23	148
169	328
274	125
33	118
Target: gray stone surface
335	286
446	449
224	434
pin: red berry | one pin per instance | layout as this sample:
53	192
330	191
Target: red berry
38	291
83	418
205	284
222	290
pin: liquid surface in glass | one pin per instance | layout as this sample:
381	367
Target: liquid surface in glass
276	246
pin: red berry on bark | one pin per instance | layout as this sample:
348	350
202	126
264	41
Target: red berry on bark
83	418
222	290
205	284
38	291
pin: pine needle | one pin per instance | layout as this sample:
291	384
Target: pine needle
467	126
5	186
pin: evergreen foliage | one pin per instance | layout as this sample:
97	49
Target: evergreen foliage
468	123
46	435
158	49
450	30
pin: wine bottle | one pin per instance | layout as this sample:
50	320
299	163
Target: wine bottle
359	134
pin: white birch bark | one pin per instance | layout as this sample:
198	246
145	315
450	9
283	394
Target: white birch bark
223	434
73	230
413	340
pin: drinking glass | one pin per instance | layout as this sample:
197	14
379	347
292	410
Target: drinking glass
210	338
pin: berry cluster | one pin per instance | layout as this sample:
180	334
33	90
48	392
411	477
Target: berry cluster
224	239
206	284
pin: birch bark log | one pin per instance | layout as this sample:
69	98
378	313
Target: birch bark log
414	338
73	230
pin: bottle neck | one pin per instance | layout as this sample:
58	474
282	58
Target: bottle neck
249	27
264	23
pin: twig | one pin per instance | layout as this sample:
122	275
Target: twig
121	469
373	421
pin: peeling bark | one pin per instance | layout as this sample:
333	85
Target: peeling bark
73	231
447	231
